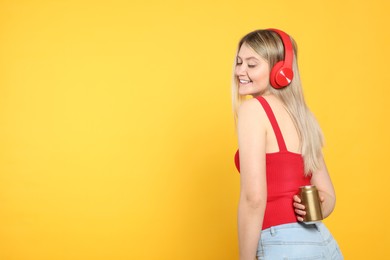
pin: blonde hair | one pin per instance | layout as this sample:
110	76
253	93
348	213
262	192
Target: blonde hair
270	47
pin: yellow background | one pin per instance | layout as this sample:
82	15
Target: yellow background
116	132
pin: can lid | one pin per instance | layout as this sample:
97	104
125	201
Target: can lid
308	187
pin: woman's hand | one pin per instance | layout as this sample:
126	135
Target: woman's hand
299	208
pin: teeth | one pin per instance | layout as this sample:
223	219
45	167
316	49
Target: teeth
244	81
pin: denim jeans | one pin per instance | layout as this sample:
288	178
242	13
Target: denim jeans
298	241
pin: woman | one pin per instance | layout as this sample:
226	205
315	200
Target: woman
280	146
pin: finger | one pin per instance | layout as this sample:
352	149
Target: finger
300	219
299	206
322	198
300	212
297	199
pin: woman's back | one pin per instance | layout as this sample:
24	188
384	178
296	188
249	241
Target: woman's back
284	169
287	127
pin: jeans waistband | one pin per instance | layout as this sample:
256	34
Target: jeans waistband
274	229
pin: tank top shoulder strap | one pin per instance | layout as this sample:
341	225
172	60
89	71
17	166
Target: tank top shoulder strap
274	123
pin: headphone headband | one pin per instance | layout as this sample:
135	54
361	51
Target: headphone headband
282	72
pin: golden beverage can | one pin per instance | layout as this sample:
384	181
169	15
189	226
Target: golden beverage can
311	199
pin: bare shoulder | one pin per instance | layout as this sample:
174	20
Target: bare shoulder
250	106
251	112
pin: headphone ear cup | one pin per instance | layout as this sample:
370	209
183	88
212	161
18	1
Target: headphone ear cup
273	75
280	76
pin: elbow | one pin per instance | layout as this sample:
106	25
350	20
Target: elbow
254	201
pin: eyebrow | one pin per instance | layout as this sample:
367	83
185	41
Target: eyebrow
249	58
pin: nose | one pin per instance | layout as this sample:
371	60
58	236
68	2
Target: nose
240	70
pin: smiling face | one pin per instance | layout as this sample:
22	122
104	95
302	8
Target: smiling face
252	72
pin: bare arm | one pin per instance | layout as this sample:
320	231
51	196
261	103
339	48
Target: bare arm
322	181
253	189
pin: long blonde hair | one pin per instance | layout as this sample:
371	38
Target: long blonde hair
269	46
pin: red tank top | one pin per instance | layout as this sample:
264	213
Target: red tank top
285	174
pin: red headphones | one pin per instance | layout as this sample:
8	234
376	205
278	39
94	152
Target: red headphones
282	73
